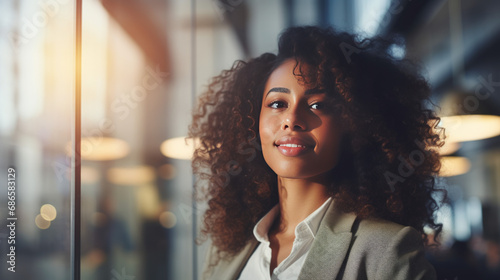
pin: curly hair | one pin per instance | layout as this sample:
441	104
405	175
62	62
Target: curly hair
388	164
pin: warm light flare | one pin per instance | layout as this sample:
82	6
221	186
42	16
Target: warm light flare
453	166
101	148
41	223
136	175
449	148
470	127
179	147
48	212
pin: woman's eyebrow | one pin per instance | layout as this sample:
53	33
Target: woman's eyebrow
278	89
285	90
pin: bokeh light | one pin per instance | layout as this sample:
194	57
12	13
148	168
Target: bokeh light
41	223
48	212
167	219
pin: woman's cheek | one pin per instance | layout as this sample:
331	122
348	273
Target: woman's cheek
265	132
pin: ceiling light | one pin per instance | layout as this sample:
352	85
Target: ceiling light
101	148
136	175
462	128
453	166
179	147
448	148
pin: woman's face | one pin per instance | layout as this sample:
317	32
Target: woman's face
299	132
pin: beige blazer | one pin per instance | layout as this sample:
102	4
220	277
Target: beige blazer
347	248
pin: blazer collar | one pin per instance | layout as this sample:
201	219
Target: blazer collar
226	268
330	247
325	257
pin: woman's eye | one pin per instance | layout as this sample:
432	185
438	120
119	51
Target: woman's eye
277	104
317	106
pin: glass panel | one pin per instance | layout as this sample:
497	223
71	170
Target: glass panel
127	184
36	119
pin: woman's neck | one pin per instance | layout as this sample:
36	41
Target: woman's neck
298	198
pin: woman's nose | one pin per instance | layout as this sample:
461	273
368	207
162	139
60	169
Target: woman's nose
294	119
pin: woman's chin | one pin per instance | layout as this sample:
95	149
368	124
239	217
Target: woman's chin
300	174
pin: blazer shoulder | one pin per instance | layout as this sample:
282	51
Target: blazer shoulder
389	250
378	227
378	234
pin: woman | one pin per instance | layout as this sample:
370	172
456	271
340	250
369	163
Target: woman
318	163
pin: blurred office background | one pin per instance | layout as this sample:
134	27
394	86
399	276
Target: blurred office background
144	61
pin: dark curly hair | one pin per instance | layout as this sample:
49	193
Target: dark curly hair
388	164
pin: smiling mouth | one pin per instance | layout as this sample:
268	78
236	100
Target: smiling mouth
292	145
293	150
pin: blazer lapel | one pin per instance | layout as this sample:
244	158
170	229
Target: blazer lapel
231	269
330	246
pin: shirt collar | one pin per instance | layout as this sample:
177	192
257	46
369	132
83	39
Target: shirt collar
314	219
309	226
262	227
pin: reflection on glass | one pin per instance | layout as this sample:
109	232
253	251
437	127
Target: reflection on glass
48	212
41	222
36	110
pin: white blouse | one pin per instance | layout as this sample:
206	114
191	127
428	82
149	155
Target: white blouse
258	265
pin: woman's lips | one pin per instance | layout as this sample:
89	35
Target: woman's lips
292	150
294	146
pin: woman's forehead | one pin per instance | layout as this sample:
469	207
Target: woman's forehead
291	72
